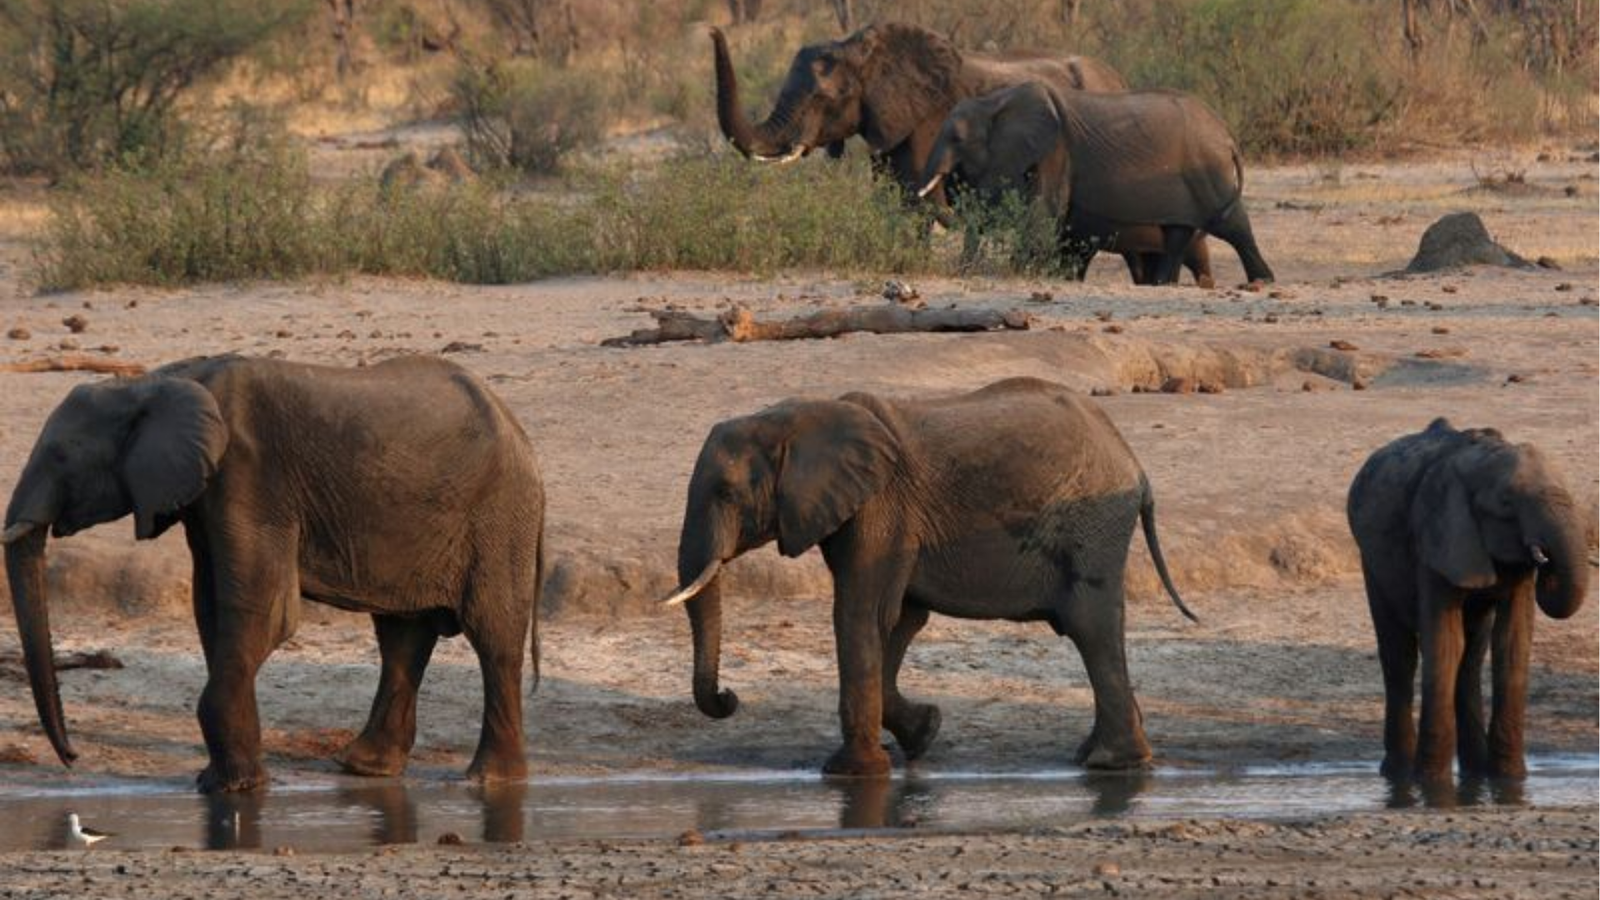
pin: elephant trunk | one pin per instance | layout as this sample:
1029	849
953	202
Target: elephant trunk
1563	579
751	140
25	565
700	554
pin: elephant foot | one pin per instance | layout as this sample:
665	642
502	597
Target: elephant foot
1205	282
490	768
854	762
363	756
1508	767
915	731
1395	766
1097	753
227	779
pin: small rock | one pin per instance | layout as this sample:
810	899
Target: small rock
1380	299
17	755
1440	329
1448	288
1433	306
1103	392
1210	387
1107	869
285	850
461	347
1270	318
108	349
1564	286
1040	297
1103	315
1570	190
19	334
1588	301
450	839
1547	262
1254	287
1339	344
67	344
131	304
1515	378
1178	384
76	324
283	333
1307	386
1408	303
1280	295
347	335
691	838
1357	384
1112	329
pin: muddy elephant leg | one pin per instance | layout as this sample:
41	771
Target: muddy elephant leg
869	584
1472	744
1513	635
1175	241
1093	618
240	588
501	645
1198	260
1140	265
1397	654
1233	227
1443	644
406	645
914	725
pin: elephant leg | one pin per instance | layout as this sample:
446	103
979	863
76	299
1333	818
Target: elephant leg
1198	259
1512	638
1397	654
914	725
1443	644
1139	265
406	645
1472	744
1093	618
869	584
237	589
1233	227
500	643
1175	241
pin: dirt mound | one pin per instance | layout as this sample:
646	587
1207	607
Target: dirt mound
1460	239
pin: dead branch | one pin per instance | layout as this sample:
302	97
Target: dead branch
741	326
75	364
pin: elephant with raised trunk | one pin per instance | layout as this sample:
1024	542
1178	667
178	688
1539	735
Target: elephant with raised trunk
1108	167
1017	501
406	490
892	84
1461	534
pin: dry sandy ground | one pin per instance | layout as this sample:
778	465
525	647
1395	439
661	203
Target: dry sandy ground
1251	484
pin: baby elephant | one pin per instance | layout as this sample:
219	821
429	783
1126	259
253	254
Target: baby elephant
1014	502
406	490
1460	533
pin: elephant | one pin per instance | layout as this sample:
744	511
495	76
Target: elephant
405	489
1460	534
1016	502
1105	165
890	83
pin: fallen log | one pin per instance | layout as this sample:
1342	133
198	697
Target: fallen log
741	326
75	364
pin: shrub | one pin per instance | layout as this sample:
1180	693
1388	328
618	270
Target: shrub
84	82
526	115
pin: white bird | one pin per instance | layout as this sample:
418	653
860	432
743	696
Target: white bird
81	837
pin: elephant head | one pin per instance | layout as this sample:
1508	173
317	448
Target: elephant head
144	446
1008	140
1496	504
796	473
881	82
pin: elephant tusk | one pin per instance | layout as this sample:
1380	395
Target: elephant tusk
794	154
931	186
1537	552
17	532
699	585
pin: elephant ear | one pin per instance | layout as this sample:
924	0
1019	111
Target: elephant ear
909	76
1447	532
837	456
177	443
1026	129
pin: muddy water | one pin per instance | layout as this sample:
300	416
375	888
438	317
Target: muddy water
349	814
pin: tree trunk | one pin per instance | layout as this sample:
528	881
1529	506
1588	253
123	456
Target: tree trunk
740	325
844	11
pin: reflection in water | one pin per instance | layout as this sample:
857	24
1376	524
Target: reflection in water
1445	793
349	814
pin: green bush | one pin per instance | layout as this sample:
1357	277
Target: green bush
86	82
527	115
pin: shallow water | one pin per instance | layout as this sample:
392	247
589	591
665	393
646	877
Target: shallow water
343	814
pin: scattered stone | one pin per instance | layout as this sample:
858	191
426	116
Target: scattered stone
131	304
285	850
1280	295
1440	329
1358	384
691	838
1178	384
1460	239
1107	869
283	333
1570	190
17	755
1103	315
1587	301
1210	387
461	347
1103	392
1112	329
450	839
1448	288
1447	353
1380	299
1408	303
1564	286
1339	344
1270	318
1433	306
1307	386
76	324
19	334
1515	378
67	344
1547	262
1254	287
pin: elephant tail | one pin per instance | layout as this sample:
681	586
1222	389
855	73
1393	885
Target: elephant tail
538	595
1147	515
